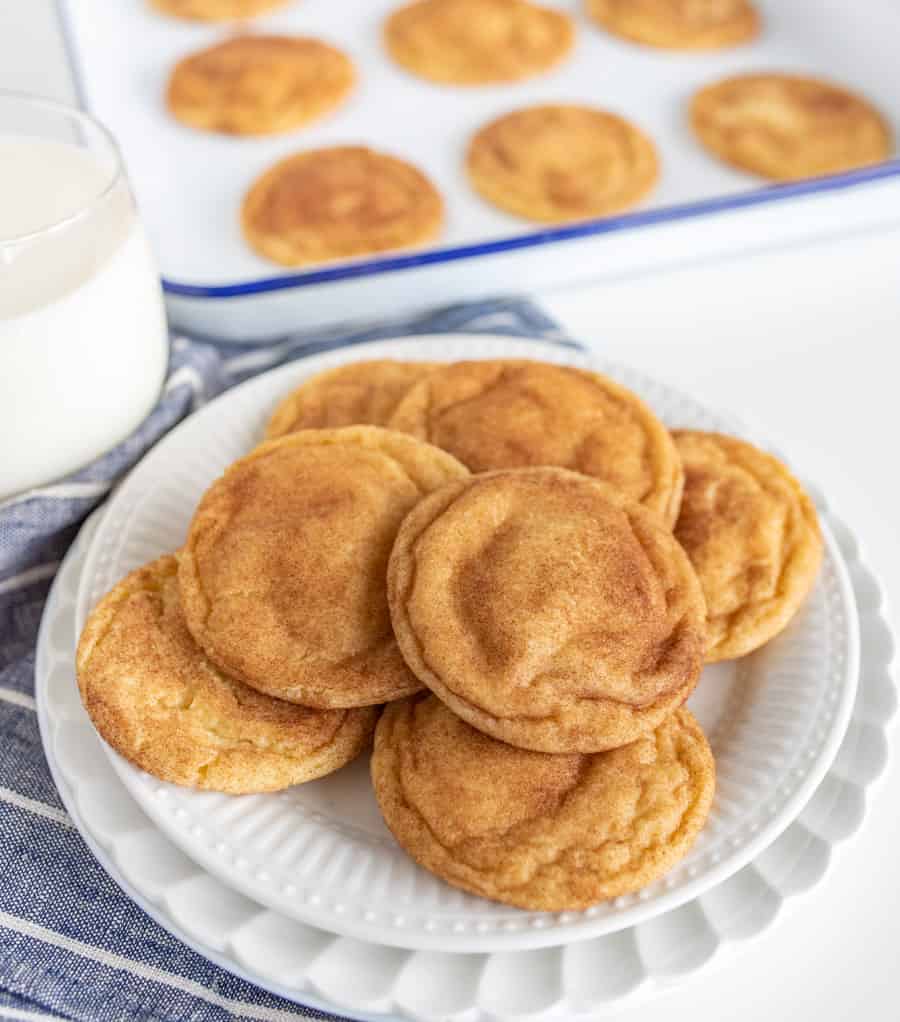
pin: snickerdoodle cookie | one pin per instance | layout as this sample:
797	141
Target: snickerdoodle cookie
477	42
216	10
337	203
512	413
561	162
678	24
256	85
534	830
365	393
752	535
283	571
158	701
546	609
785	127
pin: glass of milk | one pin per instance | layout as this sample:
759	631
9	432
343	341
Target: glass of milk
83	343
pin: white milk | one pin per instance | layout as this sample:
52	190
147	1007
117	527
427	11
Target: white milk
82	332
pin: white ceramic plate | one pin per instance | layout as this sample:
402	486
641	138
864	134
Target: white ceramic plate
320	852
342	974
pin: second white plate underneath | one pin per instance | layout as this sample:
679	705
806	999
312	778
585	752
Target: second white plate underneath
320	852
587	980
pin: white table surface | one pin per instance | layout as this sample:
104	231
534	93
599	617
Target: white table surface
805	342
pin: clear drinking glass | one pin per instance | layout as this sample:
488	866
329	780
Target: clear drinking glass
83	342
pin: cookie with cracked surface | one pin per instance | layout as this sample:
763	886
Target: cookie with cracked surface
752	535
361	393
337	203
561	162
546	609
259	84
678	24
548	832
283	571
513	413
158	701
477	42
786	127
216	10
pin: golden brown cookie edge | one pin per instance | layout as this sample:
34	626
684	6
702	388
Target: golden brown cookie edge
230	776
414	836
283	419
808	572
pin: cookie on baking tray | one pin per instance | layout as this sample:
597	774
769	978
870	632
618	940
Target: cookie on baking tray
753	537
786	127
558	163
283	573
259	84
546	609
546	832
339	202
216	10
512	413
678	24
477	42
158	701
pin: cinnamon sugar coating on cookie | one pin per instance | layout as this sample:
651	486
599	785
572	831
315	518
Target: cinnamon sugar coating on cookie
752	535
257	85
547	610
158	701
477	42
337	203
283	571
547	832
556	163
786	127
216	10
360	393
513	413
678	24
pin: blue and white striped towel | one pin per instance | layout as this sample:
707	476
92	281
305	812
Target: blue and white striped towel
72	946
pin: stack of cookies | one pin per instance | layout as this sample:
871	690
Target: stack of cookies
510	571
550	162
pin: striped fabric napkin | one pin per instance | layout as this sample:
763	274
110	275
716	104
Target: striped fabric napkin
72	945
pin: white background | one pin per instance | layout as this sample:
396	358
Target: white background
805	343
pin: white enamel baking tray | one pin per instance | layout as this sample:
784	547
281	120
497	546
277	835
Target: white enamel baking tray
190	184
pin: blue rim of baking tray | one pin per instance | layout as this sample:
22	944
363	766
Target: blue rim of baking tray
432	257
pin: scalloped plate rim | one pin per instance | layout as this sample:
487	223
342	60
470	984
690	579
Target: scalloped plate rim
649	986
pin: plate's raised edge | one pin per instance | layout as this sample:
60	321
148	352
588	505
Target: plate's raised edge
650	985
435	256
